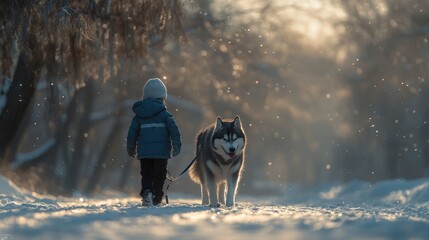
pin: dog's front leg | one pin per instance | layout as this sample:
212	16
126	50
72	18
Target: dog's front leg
204	194
232	189
222	190
212	187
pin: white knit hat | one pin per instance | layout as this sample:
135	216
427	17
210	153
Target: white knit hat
154	88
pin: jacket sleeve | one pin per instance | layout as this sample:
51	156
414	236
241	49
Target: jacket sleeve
133	133
174	132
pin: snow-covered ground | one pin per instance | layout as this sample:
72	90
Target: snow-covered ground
357	210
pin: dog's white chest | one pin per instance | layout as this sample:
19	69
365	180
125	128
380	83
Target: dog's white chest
223	171
217	172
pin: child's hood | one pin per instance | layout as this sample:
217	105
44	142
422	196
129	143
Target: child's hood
148	107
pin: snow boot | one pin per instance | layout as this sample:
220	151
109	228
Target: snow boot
157	200
147	198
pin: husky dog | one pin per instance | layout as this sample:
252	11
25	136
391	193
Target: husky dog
220	158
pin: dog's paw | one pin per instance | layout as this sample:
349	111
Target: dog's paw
215	205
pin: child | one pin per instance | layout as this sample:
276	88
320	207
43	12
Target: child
154	131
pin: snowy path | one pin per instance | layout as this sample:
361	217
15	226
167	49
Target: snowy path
325	216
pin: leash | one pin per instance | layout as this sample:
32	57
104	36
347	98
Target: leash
173	179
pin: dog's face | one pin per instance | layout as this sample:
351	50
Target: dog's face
228	138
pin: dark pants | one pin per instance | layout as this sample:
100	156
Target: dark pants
153	172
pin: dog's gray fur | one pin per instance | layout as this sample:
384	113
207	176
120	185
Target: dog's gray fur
219	161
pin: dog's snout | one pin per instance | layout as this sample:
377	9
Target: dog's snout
232	149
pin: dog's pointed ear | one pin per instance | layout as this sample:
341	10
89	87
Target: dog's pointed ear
219	123
237	122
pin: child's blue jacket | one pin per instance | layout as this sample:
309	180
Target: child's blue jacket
153	130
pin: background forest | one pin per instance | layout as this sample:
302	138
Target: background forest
330	90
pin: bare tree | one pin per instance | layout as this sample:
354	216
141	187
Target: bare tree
72	44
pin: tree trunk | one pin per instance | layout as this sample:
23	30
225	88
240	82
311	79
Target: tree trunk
19	96
74	167
18	99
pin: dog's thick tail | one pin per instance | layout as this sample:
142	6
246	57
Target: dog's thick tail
195	171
